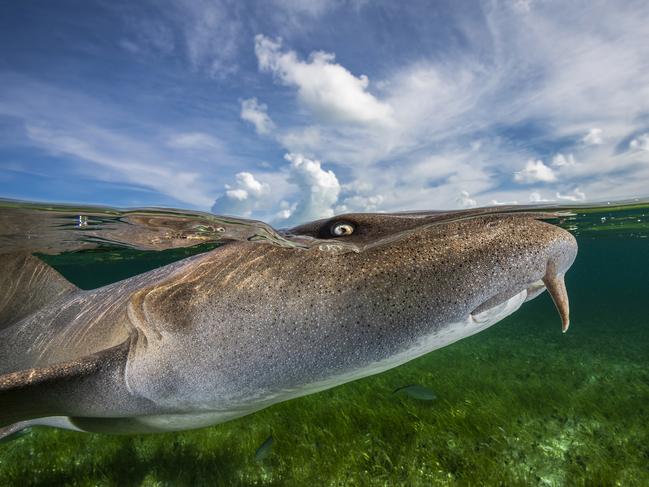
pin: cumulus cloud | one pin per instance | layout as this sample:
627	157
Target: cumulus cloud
286	209
301	191
535	197
359	196
319	189
509	95
575	195
243	198
465	200
520	85
594	137
640	143
533	72
329	90
360	203
257	114
535	171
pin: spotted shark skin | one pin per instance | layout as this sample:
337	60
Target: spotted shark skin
225	333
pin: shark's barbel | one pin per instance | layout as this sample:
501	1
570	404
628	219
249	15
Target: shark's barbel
222	334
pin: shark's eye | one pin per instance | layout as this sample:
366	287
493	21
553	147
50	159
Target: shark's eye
342	229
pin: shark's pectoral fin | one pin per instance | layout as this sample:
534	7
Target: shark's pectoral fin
17	430
13	430
90	386
26	285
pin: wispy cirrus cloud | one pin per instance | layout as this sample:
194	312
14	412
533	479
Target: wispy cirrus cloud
82	130
120	158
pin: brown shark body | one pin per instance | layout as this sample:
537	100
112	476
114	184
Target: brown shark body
225	333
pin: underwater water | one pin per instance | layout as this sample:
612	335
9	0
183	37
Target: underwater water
518	404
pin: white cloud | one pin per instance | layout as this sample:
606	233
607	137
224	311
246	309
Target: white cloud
131	161
286	209
301	191
90	137
257	114
534	172
521	67
243	198
207	33
304	8
247	183
523	5
210	34
559	160
593	137
194	141
359	203
302	139
576	195
535	197
521	83
465	200
329	90
641	142
447	111
503	203
319	189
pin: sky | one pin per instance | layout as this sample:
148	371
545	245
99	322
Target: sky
288	111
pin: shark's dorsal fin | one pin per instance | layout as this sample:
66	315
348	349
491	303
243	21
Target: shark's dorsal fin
26	285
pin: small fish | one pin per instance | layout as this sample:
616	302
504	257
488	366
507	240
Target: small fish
417	392
264	450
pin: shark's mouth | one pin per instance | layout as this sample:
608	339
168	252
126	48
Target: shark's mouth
556	287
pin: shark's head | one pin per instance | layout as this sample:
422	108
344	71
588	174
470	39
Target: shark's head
444	268
372	291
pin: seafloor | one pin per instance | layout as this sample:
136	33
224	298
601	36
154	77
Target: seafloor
519	404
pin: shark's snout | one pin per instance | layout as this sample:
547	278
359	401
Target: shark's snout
558	249
559	262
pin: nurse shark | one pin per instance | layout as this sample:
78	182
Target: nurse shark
225	333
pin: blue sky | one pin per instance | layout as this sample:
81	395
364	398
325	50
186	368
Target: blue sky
292	110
